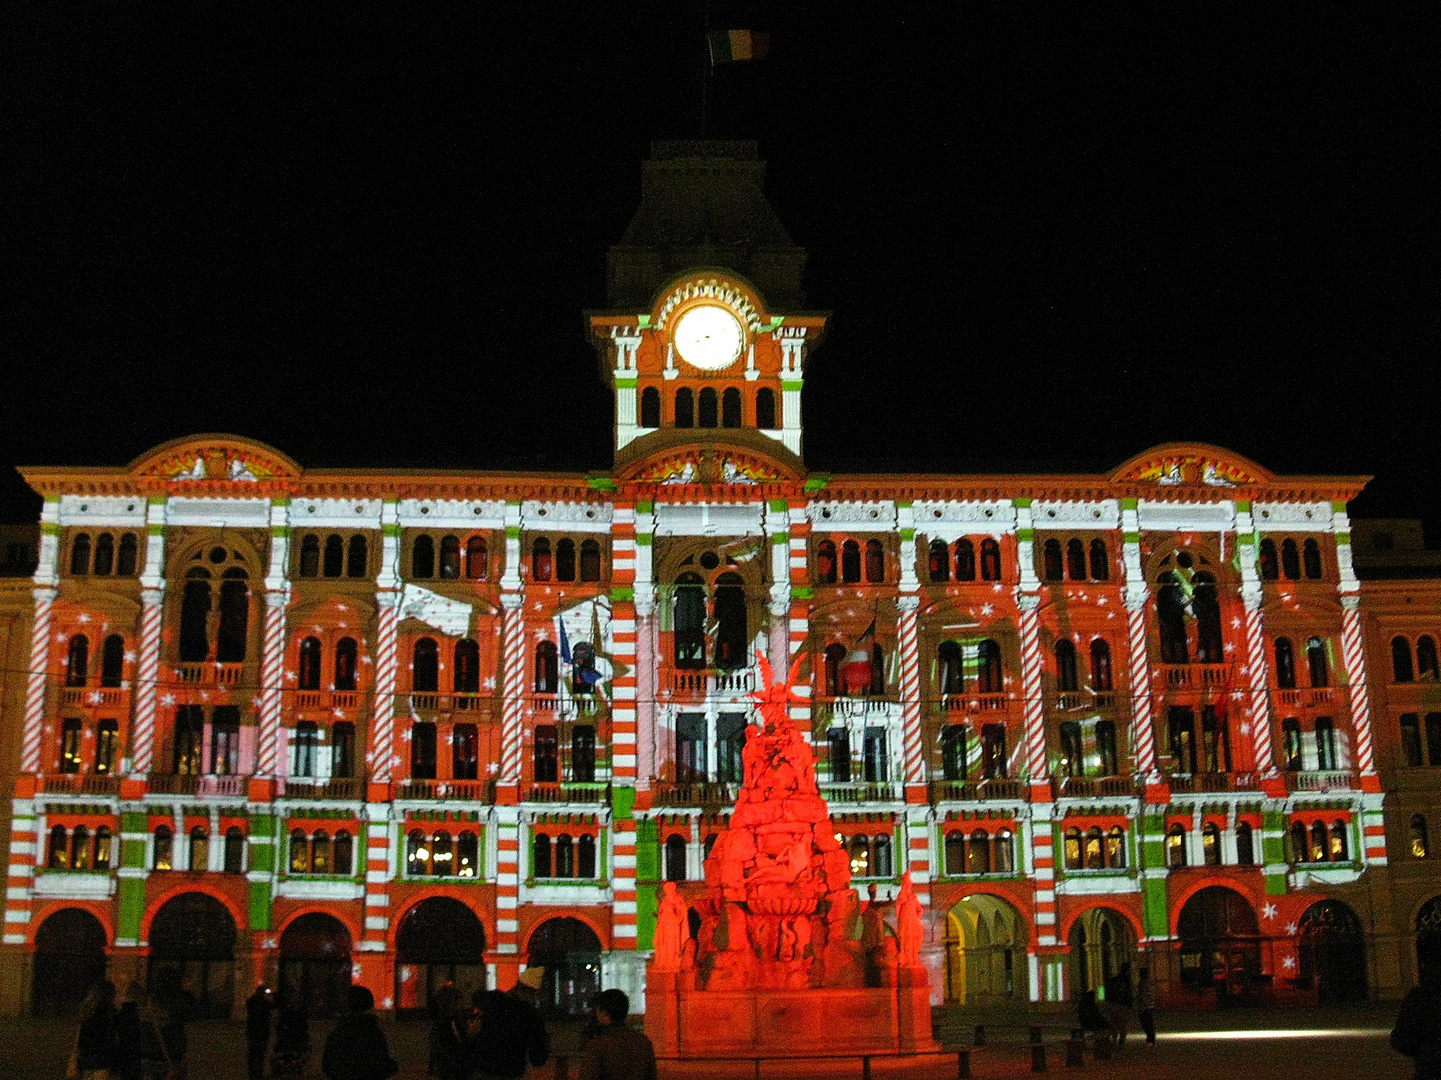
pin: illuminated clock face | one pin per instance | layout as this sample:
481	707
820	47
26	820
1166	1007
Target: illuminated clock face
708	337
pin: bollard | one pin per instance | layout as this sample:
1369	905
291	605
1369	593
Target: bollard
866	1068
1076	1047
980	1034
963	1065
1038	1051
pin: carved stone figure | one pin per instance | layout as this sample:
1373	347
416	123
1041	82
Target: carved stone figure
672	930
908	923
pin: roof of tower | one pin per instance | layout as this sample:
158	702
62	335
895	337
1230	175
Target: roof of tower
702	204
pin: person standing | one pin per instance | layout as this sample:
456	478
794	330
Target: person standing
511	1031
1417	1033
95	1043
356	1048
292	1037
1146	1005
616	1051
259	1008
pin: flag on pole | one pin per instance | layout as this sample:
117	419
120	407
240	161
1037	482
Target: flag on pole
564	642
730	45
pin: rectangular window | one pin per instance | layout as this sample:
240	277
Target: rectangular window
302	748
225	740
107	745
1433	738
1182	731
953	752
1325	743
582	754
1106	746
993	750
877	756
838	753
547	754
690	748
422	751
1073	758
730	734
1291	743
342	749
464	752
1411	740
70	745
189	731
1215	741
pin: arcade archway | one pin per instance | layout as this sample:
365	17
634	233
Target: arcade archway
1428	942
315	963
192	949
1220	942
1332	950
985	941
569	951
69	960
440	941
1103	951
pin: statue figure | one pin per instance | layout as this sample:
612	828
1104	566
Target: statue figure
672	930
908	923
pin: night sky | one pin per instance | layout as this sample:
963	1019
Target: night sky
1049	239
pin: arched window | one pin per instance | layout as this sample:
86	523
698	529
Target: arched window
990	560
450	557
940	561
1291	744
1316	661
1300	843
1003	852
1426	658
706	411
1420	839
878	673
199	849
422	557
77	661
954	765
1101	678
731	407
1290	560
1285	664
1052	567
345	663
112	661
826	562
1116	848
102	848
881	857
307	676
835	658
950	675
80	848
650	407
965	560
442	855
1210	844
80	554
234	851
1066	679
417	854
564	856
589	560
1270	568
875	562
1095	848
425	666
989	677
164	855
104	554
766	409
1100	561
1175	846
334	555
684	408
1311	559
850	561
356	557
540	560
585	857
1411	740
731	640
467	855
1339	848
1320	846
955	852
1210	648
477	562
1401	670
465	675
565	559
1072	849
125	564
546	754
310	555
1171	619
1075	560
675	846
978	852
343	853
59	856
689	624
540	865
234	618
547	671
1245	845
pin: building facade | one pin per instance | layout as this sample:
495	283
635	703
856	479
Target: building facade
401	728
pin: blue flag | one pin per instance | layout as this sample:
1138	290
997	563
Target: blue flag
564	643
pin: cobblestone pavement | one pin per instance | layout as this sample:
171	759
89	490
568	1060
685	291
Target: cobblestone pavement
1313	1044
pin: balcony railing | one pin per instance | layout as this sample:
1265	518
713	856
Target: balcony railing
695	794
590	794
189	784
78	784
209	674
868	791
975	790
1320	780
1196	676
712	683
973	703
556	705
457	790
1193	783
828	710
1093	787
93	696
345	788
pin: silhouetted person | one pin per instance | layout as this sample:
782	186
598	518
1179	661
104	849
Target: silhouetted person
511	1031
95	1043
356	1048
1146	1005
448	1058
130	1039
292	1037
259	1011
616	1051
1417	1033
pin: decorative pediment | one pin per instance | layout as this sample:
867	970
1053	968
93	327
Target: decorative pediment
218	459
675	457
1193	465
719	290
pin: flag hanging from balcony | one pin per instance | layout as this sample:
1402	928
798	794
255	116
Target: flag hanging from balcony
727	46
564	641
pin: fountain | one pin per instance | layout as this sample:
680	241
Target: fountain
778	967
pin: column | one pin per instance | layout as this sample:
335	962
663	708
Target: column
627	341
147	660
380	756
1138	667
793	340
382	854
512	665
624	736
46	581
799	620
908	604
272	657
778	644
1256	728
507	895
645	647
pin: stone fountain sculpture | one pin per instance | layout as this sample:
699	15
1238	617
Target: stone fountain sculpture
778	968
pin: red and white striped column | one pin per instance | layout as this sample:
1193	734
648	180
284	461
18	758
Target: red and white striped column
799	620
1043	872
1143	725
147	657
379	873
1259	713
507	893
19	889
272	682
512	706
37	679
1033	705
908	647
1353	653
380	758
624	735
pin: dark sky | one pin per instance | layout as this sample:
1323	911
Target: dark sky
1050	239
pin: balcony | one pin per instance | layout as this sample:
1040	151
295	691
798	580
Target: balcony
976	790
447	790
590	794
974	703
698	794
187	784
830	710
98	697
1212	677
78	784
864	792
431	703
342	788
697	685
566	707
1320	780
1200	783
209	674
1094	787
1317	697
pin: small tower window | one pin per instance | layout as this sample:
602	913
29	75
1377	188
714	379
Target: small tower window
731	407
540	560
826	562
80	554
1100	561
940	561
1290	560
422	557
1075	560
334	555
310	556
475	558
449	558
1311	559
875	562
125	564
684	408
104	554
965	560
1052	567
706	410
565	559
650	407
766	409
850	561
589	560
1270	569
990	560
355	559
